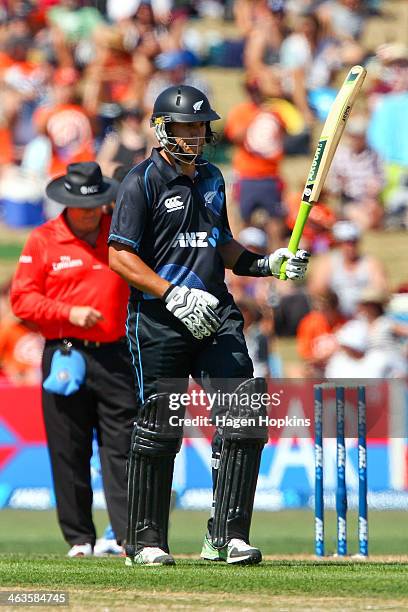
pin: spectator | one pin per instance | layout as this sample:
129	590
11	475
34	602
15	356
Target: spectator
250	13
124	59
357	177
308	61
110	78
389	68
245	287
119	11
28	81
72	27
289	307
257	333
348	360
143	39
7	156
126	145
396	214
20	346
74	21
316	339
126	9
64	286
282	305
317	234
346	270
262	47
258	296
384	70
311	59
388	127
343	18
65	123
175	68
258	135
301	7
385	335
354	358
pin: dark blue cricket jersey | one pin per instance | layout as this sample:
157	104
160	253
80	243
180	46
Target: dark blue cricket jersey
174	224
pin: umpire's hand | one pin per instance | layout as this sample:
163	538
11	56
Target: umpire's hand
194	308
84	316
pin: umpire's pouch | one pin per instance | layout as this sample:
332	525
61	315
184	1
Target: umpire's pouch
67	372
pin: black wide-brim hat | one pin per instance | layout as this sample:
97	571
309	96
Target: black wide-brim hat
83	186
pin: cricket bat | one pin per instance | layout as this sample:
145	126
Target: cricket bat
325	150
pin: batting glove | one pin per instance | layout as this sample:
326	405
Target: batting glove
296	265
194	308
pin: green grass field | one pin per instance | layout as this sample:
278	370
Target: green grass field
32	557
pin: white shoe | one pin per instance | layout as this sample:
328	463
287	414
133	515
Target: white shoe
242	553
150	556
103	546
80	550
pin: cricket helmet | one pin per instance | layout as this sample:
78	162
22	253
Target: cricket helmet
182	104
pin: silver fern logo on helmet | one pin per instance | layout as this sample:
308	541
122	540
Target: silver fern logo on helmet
197	106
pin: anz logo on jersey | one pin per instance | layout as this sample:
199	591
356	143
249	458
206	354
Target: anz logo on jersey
197	239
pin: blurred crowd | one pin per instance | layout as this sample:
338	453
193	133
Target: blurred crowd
78	80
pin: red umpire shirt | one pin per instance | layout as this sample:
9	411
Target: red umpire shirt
56	271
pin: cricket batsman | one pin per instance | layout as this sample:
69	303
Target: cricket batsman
170	240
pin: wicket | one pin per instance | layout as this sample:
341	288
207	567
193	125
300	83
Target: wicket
341	491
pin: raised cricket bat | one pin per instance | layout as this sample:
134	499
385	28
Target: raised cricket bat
325	150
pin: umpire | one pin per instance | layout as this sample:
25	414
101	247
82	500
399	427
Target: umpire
170	240
64	286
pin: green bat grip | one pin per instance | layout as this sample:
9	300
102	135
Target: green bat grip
304	211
